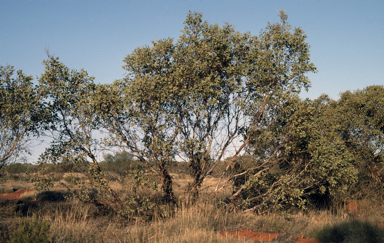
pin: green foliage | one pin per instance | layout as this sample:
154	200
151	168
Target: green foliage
190	99
119	163
351	232
193	97
71	122
138	206
15	168
72	180
32	231
143	185
320	150
361	126
139	178
71	119
19	112
298	155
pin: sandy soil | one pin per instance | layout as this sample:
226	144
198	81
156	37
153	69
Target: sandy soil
14	196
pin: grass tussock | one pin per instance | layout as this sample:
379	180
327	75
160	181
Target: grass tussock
202	222
12	185
73	221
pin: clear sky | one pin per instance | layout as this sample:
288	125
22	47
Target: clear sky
346	36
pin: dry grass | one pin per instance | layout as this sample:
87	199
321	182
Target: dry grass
202	222
11	185
72	222
28	196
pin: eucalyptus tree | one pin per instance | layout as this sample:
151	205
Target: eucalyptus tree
136	116
245	83
327	150
299	156
360	115
210	89
361	119
19	106
71	121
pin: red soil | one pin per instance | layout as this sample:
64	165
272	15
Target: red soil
355	208
14	196
260	236
302	240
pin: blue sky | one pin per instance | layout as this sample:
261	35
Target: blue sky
346	37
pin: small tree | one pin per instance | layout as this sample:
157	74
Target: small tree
19	107
141	127
72	120
195	97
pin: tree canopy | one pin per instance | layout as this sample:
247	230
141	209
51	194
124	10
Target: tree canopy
193	97
19	105
212	93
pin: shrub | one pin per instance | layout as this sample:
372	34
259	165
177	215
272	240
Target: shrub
119	163
32	231
16	168
297	157
73	180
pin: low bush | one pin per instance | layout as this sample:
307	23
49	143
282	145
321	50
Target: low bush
73	180
17	168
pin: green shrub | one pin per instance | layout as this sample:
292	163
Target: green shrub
32	231
17	168
351	232
120	163
73	180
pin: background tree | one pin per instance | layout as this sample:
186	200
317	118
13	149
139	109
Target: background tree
19	108
119	163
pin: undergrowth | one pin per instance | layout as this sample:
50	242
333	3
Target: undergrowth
71	220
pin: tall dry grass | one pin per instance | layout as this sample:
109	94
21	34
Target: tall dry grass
202	222
72	221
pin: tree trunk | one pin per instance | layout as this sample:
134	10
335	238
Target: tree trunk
166	185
